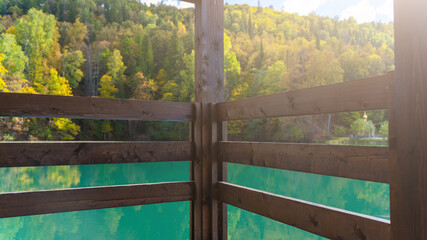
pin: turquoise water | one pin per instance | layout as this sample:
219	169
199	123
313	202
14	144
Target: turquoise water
171	220
353	195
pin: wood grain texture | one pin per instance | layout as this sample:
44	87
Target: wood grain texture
209	89
408	139
325	221
357	162
222	176
78	199
33	105
24	154
357	95
196	175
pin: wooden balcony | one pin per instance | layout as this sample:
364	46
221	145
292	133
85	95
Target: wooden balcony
357	162
402	165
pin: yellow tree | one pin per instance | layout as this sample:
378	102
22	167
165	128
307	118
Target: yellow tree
58	85
107	90
3	86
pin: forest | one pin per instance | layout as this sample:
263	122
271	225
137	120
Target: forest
128	49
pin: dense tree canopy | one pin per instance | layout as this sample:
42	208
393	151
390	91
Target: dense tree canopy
127	49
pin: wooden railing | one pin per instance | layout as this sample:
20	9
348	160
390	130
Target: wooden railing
20	154
408	136
356	162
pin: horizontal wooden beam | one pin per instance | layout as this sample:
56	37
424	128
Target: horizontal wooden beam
78	199
33	105
191	1
357	162
357	95
24	154
325	221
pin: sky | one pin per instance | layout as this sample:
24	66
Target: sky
361	10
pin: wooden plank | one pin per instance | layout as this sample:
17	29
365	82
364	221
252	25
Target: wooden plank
24	154
32	105
408	139
322	220
196	175
357	95
357	162
192	1
209	89
222	176
78	199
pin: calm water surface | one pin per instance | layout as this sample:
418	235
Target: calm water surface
171	220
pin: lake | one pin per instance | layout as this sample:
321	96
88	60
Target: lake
171	220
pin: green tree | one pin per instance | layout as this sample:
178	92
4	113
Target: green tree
186	87
129	51
231	68
147	58
384	129
71	67
275	78
14	59
36	33
362	128
259	62
175	52
116	69
322	68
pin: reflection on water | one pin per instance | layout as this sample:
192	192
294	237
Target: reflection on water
158	221
140	222
353	195
171	220
57	177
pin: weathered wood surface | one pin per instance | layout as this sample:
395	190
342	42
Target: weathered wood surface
196	174
408	139
357	162
78	199
23	154
325	221
357	95
209	89
33	105
222	176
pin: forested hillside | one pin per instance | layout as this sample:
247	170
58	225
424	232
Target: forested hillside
126	49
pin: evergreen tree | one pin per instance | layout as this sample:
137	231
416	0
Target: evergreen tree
175	53
147	58
260	57
250	30
244	24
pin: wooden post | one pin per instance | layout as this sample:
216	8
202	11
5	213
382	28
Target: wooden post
196	174
408	136
209	88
